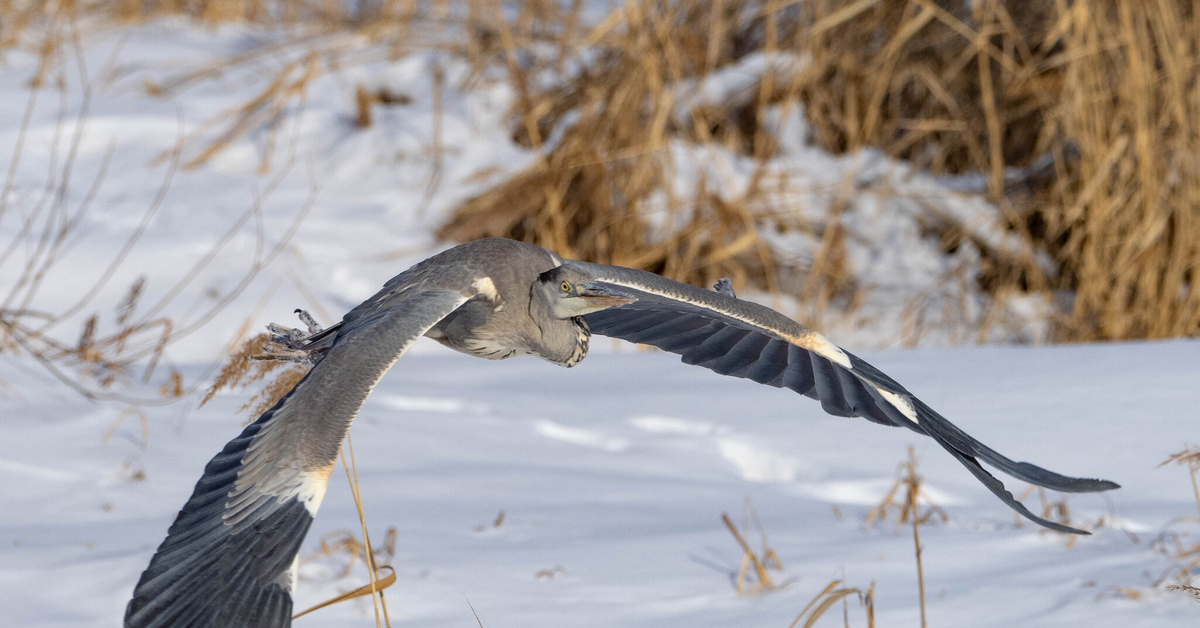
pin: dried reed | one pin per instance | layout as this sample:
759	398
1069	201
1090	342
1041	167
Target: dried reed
1194	592
1059	511
1189	457
834	592
104	353
761	562
1185	557
908	512
1080	116
605	135
499	520
550	573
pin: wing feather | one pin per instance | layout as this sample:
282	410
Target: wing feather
680	343
228	559
771	363
743	339
866	400
715	346
643	320
680	323
828	387
799	374
740	357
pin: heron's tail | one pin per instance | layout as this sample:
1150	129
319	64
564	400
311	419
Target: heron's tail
229	559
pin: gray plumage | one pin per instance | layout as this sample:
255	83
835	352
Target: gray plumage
229	558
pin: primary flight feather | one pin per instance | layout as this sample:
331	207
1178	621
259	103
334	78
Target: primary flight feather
229	559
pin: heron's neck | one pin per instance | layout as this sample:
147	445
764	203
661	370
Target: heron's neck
582	335
563	341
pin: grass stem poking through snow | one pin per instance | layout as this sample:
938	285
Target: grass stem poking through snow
830	595
377	602
908	512
768	560
1186	557
375	586
1190	458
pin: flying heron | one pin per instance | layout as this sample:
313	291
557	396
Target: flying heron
230	557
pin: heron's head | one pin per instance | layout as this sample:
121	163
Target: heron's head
570	292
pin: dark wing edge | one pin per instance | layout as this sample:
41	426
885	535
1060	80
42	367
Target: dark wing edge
230	556
723	334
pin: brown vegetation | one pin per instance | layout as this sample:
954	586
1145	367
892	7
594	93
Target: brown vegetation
1185	555
910	483
834	592
125	345
761	563
1080	116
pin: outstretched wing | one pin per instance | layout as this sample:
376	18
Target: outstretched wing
744	339
230	557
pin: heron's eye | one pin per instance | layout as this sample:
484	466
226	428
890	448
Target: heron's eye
566	287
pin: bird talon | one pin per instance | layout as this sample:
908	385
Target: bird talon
292	340
724	286
309	321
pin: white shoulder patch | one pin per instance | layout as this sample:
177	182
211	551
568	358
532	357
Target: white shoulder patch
821	345
902	404
484	286
311	491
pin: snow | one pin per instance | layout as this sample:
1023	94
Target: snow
617	472
612	475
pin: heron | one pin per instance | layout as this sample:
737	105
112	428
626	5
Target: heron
230	557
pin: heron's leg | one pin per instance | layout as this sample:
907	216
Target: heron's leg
288	344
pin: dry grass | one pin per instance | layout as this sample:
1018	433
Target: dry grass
496	523
909	484
375	587
1180	548
909	488
1080	116
550	573
1194	592
763	562
1189	457
608	171
126	345
1185	556
835	592
344	544
247	366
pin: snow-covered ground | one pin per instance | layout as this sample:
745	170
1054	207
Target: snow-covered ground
615	472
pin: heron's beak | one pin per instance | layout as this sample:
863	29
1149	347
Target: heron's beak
602	295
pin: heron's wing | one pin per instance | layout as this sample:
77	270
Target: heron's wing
743	339
230	557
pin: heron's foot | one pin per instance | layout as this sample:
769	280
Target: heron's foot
725	286
288	344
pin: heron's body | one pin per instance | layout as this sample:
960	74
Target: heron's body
490	325
229	558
